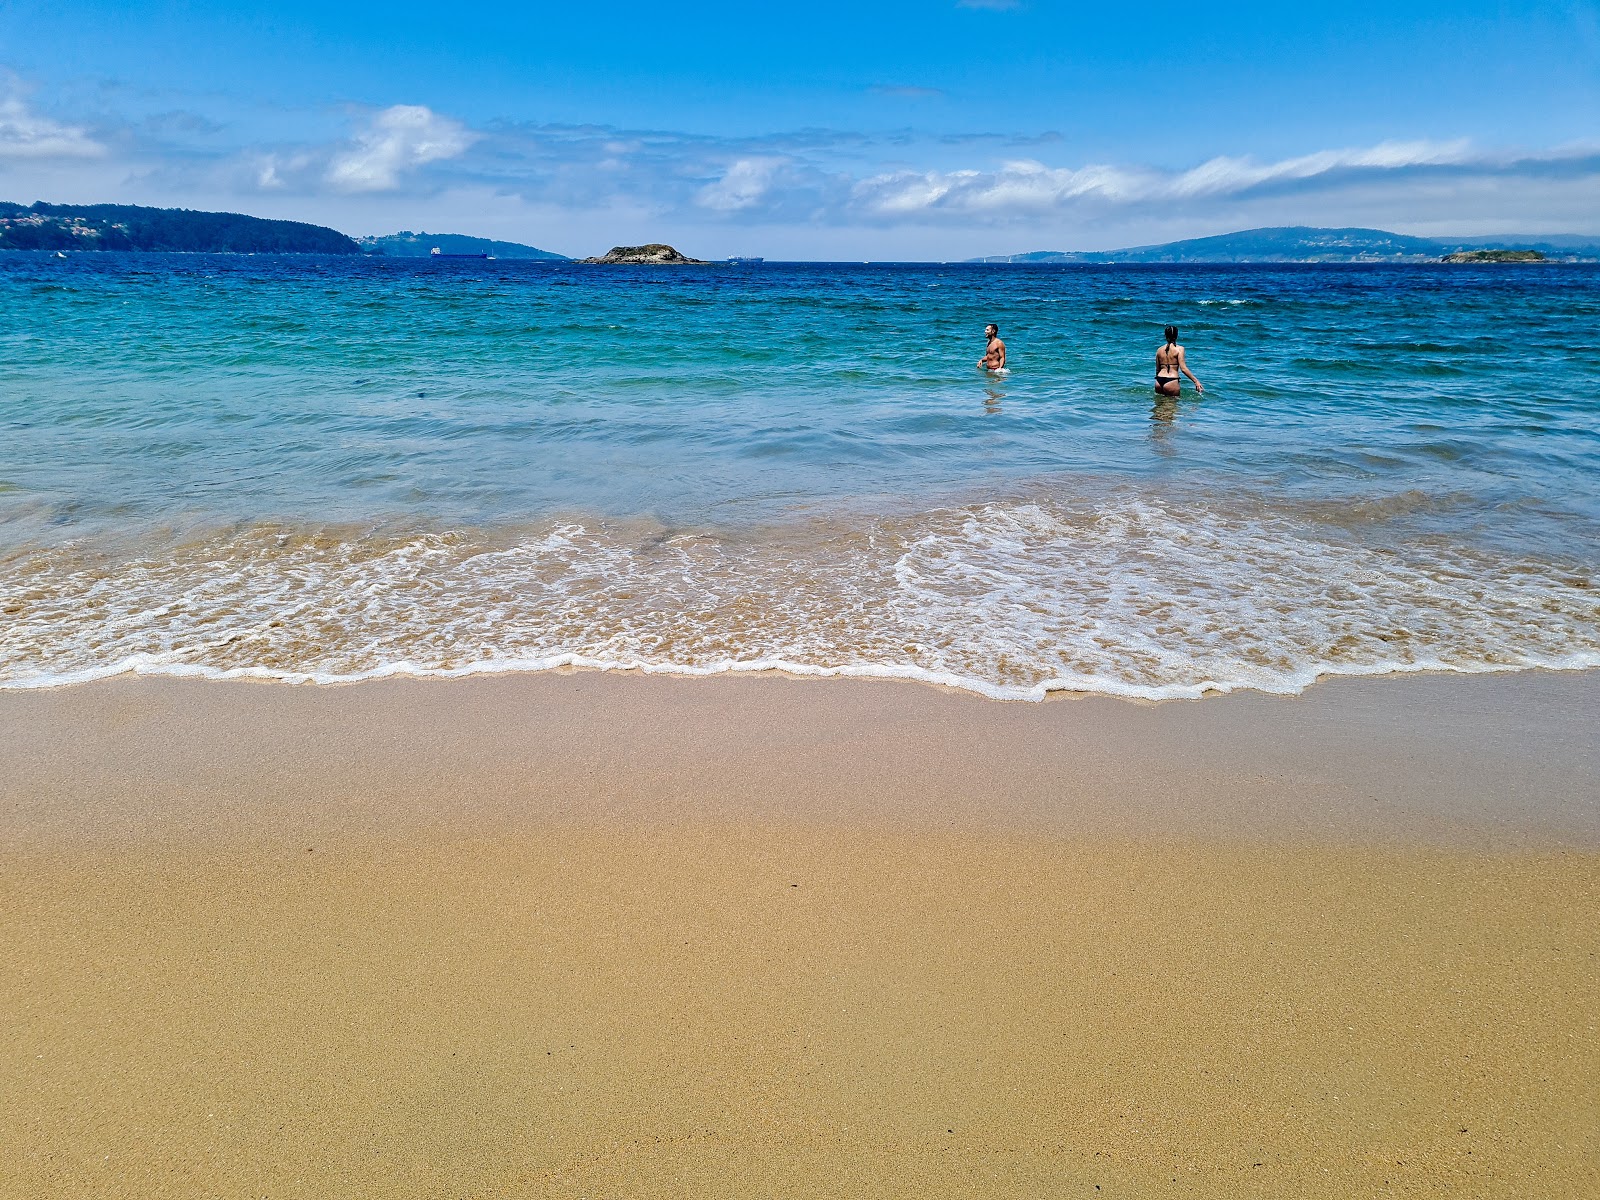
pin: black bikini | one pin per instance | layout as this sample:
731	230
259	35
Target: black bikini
1171	366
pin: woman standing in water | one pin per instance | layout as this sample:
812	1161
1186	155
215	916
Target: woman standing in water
1169	362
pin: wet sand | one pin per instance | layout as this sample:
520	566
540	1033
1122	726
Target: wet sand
588	935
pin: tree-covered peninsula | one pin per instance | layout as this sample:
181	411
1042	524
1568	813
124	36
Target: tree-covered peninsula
72	227
406	244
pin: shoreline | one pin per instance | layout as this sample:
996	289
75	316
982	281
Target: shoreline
780	669
1119	586
1482	761
577	935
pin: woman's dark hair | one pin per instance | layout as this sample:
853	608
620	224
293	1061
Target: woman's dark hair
1172	333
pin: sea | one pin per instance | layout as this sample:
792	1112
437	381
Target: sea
325	470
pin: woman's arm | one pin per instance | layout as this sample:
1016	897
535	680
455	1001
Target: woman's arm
1183	366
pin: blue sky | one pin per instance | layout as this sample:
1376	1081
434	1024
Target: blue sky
932	129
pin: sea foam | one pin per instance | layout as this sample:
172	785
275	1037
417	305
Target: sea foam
1132	594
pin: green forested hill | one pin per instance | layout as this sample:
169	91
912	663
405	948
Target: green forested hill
1300	243
44	226
406	244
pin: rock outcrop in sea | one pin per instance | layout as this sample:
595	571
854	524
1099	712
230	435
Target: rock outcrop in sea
656	253
1495	256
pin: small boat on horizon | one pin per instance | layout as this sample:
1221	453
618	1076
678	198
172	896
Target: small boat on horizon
741	260
438	253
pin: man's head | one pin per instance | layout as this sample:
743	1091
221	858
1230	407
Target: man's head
991	330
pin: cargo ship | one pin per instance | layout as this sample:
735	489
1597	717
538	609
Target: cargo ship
438	253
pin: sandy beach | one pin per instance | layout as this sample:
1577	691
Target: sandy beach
594	935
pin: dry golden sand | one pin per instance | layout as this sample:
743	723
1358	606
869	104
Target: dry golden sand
591	936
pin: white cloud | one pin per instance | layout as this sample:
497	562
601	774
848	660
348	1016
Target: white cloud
26	134
397	139
275	171
742	185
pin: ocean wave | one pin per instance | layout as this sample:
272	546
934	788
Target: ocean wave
1135	594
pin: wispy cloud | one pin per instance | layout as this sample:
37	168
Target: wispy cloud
1238	174
899	190
382	155
829	178
1027	187
396	139
991	141
907	92
27	134
178	123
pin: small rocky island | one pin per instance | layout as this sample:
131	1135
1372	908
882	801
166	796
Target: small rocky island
655	254
1495	256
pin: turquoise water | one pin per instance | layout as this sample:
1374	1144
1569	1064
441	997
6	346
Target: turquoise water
325	470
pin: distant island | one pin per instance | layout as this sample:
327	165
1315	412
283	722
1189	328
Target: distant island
654	254
406	244
80	227
1306	244
1495	256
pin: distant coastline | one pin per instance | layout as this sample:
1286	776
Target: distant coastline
407	244
100	227
1307	244
87	228
77	228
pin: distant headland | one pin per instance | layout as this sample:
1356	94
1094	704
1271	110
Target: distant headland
80	227
88	227
654	254
1307	244
406	244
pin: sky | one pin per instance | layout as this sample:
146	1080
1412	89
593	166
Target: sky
912	129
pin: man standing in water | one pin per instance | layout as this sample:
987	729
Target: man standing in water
1170	361
994	358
